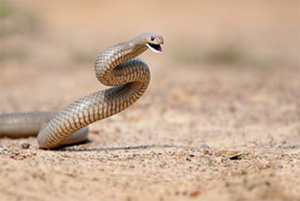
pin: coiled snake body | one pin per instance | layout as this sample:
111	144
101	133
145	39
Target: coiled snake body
115	66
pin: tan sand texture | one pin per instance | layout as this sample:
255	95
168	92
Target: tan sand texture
219	121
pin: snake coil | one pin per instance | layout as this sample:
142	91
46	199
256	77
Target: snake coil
116	66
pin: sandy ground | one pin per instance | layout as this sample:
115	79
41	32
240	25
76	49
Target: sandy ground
219	121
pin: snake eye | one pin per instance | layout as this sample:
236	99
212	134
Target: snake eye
152	38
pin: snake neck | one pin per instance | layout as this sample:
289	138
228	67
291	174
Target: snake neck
119	66
112	65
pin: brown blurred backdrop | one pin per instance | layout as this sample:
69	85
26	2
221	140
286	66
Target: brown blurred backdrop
228	80
48	48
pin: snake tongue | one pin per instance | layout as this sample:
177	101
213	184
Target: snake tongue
154	48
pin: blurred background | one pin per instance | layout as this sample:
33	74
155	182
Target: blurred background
225	63
228	79
39	38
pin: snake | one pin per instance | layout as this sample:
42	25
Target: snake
117	66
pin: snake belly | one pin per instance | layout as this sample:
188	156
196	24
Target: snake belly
116	66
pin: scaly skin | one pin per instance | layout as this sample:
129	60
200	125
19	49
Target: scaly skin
115	66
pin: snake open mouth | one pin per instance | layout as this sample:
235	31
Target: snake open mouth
154	47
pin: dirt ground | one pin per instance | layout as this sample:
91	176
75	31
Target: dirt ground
219	121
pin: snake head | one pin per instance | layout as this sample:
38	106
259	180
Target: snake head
152	41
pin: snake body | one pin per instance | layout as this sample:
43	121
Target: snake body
116	66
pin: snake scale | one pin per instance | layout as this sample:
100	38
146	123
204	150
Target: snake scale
116	66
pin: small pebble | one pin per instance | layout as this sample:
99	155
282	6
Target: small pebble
25	145
204	146
194	193
205	151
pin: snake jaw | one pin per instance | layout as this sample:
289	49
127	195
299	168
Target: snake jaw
154	47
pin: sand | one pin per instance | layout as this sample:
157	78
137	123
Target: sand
219	121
